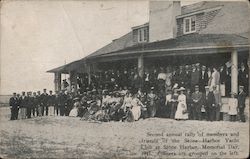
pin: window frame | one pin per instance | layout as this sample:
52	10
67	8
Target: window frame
141	35
190	24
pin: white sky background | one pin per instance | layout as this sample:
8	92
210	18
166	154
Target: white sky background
37	36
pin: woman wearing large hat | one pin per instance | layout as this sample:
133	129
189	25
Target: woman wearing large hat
181	112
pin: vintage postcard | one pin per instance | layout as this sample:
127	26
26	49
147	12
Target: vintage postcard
124	79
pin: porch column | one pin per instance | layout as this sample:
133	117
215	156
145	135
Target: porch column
141	66
57	81
234	72
248	63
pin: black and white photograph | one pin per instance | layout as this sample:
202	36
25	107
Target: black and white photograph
124	79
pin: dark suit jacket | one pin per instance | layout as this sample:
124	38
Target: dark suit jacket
44	99
203	79
13	102
242	99
209	99
23	102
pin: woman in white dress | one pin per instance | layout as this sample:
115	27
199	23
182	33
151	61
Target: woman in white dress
74	111
215	79
181	112
136	107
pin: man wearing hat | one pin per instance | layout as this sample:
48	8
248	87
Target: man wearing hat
51	103
187	77
14	107
197	102
241	103
195	76
243	77
203	81
218	102
23	105
209	104
44	102
29	104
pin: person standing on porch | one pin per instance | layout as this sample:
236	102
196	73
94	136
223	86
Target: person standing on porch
243	77
218	102
181	112
161	79
241	103
194	77
168	103
174	103
197	102
203	78
152	107
210	104
233	107
215	78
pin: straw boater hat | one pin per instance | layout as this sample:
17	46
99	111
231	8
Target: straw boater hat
241	86
181	89
76	98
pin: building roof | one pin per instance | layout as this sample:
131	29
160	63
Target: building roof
189	41
117	44
214	35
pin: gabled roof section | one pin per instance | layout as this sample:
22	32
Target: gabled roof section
201	6
117	44
233	18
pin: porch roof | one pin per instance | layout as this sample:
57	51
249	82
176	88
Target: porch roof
184	45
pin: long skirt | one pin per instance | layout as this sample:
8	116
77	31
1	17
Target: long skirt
181	112
73	112
136	111
23	113
152	110
51	110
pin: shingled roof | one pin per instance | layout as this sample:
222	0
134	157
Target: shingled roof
215	35
185	42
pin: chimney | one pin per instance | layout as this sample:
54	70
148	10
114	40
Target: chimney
162	22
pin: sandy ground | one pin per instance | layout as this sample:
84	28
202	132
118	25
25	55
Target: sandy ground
68	137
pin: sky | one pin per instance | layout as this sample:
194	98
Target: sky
37	36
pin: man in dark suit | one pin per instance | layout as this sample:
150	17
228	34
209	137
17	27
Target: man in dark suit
187	77
29	104
243	77
14	107
241	103
197	102
35	104
51	103
209	103
44	102
203	81
62	101
195	76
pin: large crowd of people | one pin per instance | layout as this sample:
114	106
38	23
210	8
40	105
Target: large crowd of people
187	92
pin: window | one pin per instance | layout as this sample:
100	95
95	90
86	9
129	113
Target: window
143	34
189	25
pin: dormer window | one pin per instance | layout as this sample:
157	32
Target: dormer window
189	25
143	34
